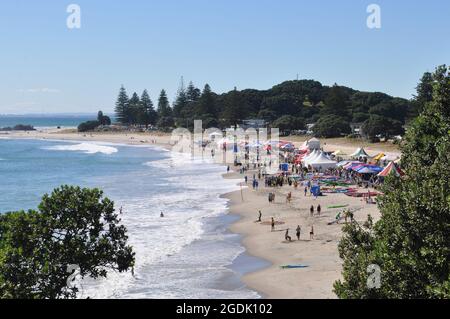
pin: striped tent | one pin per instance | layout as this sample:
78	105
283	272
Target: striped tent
391	169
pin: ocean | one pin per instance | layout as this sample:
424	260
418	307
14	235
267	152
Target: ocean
46	121
188	254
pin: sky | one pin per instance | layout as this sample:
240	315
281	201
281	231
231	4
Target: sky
46	67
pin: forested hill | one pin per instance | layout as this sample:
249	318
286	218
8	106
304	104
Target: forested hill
289	105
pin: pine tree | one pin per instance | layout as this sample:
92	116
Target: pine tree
149	115
206	106
164	109
411	242
134	109
192	93
121	108
181	101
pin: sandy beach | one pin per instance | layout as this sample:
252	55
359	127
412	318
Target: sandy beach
320	255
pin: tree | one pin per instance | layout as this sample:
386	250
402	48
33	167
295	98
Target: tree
289	123
135	110
192	93
88	126
411	241
181	101
121	110
164	109
103	119
206	104
148	115
380	125
424	93
232	108
335	102
331	126
72	226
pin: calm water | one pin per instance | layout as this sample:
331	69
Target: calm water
45	121
188	254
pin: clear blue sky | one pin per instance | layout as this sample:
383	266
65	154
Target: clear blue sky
45	67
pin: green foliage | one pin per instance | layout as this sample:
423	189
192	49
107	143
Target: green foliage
331	126
88	126
411	241
288	123
380	125
103	119
164	109
72	226
122	103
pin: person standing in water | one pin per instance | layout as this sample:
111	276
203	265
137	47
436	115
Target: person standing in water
161	215
273	224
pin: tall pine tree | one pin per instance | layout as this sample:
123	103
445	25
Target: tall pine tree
121	109
149	115
181	101
164	109
134	109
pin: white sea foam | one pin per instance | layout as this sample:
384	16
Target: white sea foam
166	264
87	148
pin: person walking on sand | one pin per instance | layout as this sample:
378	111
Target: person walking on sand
273	224
319	210
311	233
311	210
306	191
299	230
260	217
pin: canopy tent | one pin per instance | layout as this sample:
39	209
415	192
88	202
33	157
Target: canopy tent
391	169
352	165
322	162
288	146
368	169
313	144
343	163
379	157
360	152
310	157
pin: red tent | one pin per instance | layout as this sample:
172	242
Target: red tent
391	169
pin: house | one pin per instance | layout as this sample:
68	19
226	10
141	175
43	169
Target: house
357	129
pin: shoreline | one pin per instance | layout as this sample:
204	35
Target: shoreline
320	255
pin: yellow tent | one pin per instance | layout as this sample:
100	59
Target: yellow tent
379	157
339	152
